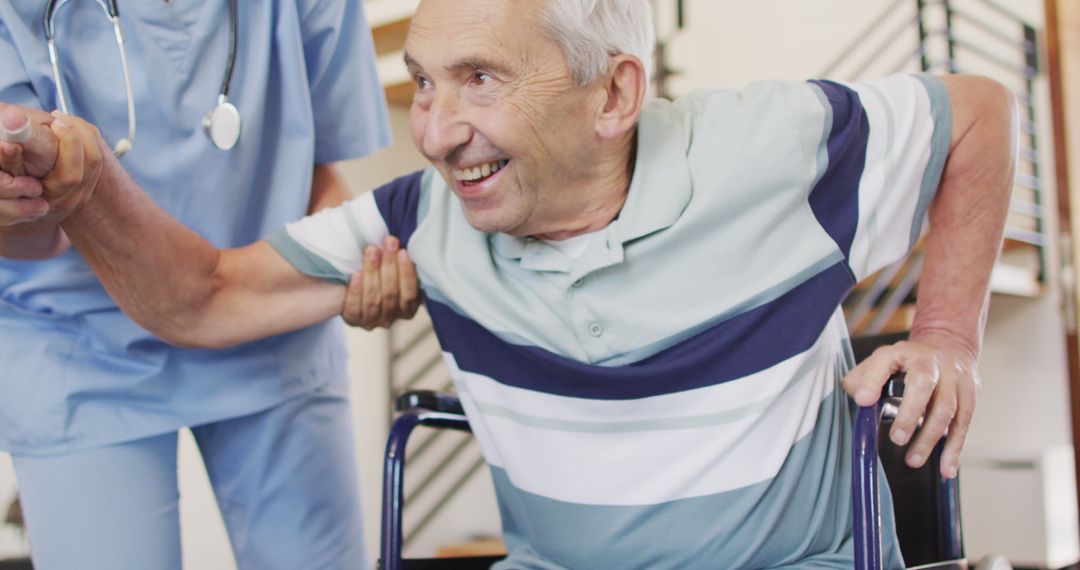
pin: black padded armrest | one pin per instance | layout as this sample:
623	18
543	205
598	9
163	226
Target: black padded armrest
894	386
429	400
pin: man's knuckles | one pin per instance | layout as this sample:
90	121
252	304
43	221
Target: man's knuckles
943	412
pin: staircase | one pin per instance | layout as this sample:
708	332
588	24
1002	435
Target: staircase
957	36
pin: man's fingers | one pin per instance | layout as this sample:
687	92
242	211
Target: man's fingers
408	285
15	126
353	311
939	396
954	446
90	140
864	382
920	380
21	210
70	158
11	160
935	422
958	430
29	128
388	278
40	154
12	187
372	297
20	199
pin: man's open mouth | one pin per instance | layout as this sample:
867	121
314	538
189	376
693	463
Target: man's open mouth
479	173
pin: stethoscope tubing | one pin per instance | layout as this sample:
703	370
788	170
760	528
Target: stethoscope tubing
112	12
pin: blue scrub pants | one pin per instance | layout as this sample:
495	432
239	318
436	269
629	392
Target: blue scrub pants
285	480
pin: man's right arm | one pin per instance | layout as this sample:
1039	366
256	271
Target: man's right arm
165	276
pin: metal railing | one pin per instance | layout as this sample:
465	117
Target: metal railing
951	36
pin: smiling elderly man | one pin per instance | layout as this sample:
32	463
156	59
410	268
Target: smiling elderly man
639	301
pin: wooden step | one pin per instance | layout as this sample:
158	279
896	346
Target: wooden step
477	547
1017	272
389	20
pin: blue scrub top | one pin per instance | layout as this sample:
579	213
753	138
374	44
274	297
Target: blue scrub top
76	372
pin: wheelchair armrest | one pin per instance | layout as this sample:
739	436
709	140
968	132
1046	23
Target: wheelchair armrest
894	386
944	541
429	400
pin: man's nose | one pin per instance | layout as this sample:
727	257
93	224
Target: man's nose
446	128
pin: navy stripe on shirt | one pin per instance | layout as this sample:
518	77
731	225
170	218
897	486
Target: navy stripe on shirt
745	344
398	202
835	198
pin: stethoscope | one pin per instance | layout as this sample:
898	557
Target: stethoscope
222	124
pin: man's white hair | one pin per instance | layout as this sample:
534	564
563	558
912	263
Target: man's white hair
591	31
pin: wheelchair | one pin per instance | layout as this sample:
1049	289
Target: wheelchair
926	504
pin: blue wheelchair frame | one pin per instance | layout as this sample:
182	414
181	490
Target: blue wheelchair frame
948	547
944	544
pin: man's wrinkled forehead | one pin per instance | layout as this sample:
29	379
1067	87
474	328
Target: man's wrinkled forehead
445	31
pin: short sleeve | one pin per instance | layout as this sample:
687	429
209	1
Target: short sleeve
330	244
346	95
879	165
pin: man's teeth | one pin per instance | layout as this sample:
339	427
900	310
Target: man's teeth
481	171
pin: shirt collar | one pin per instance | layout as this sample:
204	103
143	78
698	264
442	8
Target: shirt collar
660	189
659	193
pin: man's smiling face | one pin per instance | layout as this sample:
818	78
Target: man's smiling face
498	113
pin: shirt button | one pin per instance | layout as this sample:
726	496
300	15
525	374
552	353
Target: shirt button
595	329
578	283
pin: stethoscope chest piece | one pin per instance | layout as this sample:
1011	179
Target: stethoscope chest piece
223	124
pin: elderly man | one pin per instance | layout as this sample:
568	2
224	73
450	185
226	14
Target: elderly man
638	300
90	402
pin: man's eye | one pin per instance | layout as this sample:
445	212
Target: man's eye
481	78
421	81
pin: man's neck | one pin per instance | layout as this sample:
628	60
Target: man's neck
604	201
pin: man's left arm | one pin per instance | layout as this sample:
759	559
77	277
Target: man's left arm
967	219
387	288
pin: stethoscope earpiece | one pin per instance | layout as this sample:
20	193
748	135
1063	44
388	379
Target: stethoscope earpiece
122	146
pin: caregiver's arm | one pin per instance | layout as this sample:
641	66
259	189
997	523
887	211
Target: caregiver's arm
166	277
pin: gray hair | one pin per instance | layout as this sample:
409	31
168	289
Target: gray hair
591	31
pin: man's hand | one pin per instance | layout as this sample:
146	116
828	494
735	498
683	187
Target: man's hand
939	390
65	152
386	289
21	196
38	154
80	157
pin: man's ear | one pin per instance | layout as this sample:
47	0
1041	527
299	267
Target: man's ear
624	91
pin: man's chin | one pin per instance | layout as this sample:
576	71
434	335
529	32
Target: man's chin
488	220
482	224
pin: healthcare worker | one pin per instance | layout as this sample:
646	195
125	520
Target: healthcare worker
230	114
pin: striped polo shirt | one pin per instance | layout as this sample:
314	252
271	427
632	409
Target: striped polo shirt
670	398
